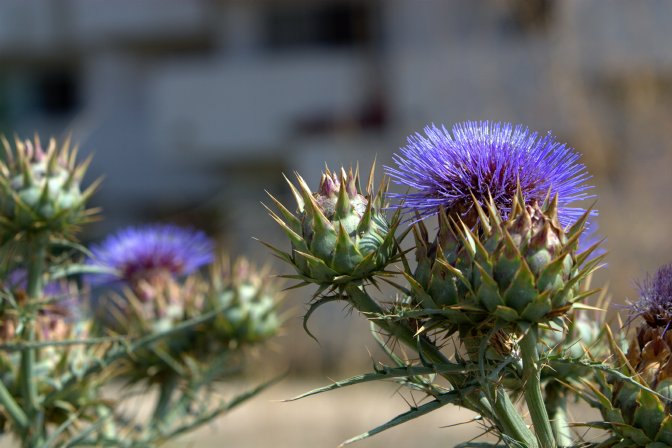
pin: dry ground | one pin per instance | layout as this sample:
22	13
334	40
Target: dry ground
329	419
324	421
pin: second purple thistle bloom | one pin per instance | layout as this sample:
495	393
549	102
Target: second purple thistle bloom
483	158
655	299
138	252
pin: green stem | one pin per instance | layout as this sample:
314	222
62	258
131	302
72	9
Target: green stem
123	350
503	412
17	415
532	389
556	406
36	254
162	407
513	424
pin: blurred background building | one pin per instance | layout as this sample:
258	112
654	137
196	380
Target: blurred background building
193	108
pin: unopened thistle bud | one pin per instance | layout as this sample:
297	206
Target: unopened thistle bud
247	300
339	233
40	189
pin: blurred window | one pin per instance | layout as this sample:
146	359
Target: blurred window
334	24
58	92
38	92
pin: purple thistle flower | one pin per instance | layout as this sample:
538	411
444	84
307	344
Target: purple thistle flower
483	158
17	279
142	252
655	299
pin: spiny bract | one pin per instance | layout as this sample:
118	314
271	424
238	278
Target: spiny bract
40	190
339	234
520	271
237	306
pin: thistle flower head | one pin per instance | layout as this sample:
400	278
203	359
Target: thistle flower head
40	189
483	159
247	300
141	253
655	299
339	233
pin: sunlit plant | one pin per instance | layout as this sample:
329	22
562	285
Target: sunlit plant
153	307
491	305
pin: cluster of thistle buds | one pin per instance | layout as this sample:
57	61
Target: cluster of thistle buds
155	271
495	300
139	307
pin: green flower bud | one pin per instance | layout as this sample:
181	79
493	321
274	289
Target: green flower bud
40	190
339	234
248	303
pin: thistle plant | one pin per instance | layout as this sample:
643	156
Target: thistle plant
506	271
156	269
635	399
157	321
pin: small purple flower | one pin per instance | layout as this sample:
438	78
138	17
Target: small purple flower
63	307
62	295
655	299
142	252
484	158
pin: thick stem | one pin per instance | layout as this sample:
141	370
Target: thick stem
556	406
162	408
503	411
532	389
35	256
513	424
